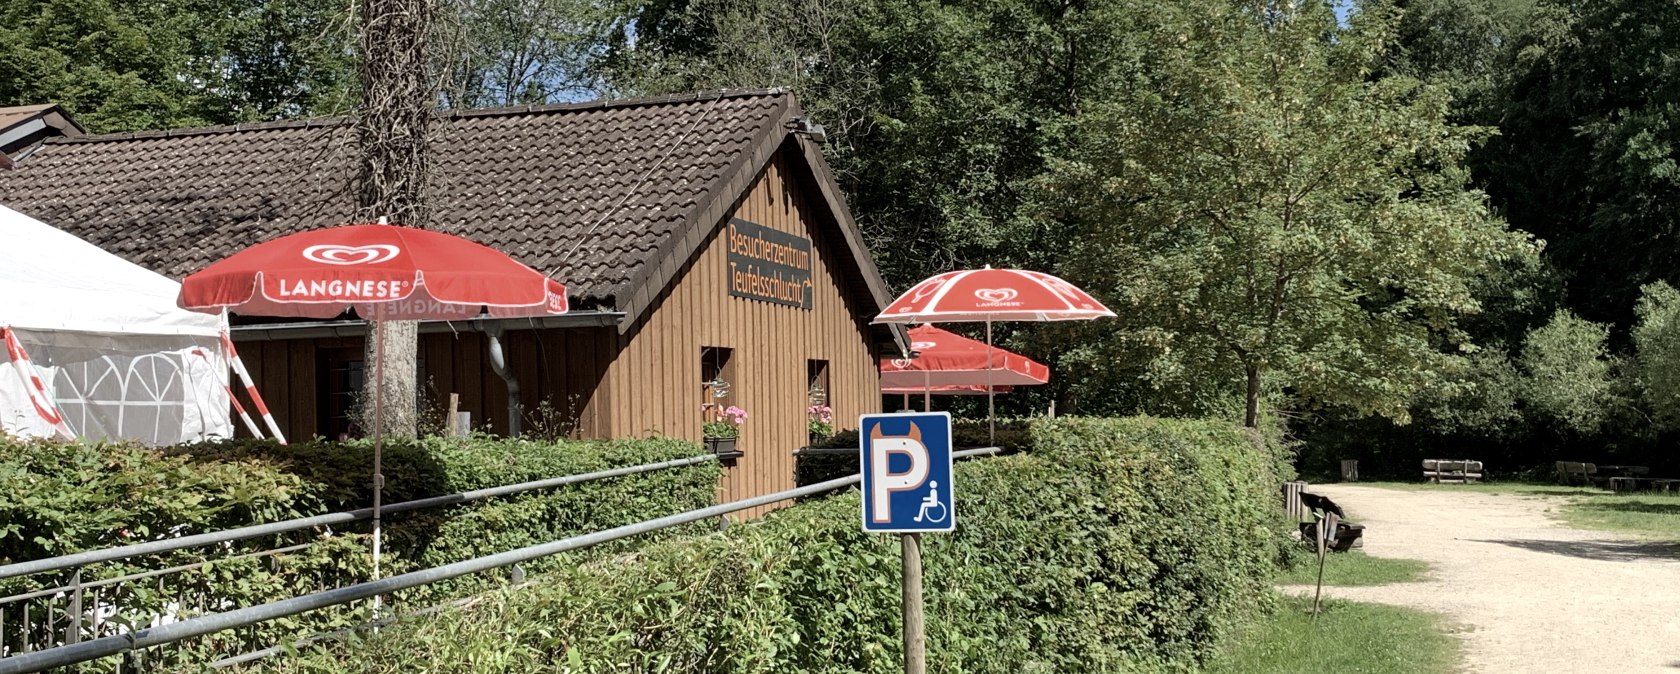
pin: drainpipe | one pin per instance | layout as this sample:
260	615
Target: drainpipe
498	362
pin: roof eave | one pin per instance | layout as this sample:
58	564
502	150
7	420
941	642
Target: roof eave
829	188
641	292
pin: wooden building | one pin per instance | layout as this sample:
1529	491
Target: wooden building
708	252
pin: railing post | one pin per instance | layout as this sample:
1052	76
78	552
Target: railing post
74	633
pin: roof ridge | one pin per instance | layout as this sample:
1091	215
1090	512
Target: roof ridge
632	102
325	122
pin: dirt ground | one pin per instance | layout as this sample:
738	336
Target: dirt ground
1526	593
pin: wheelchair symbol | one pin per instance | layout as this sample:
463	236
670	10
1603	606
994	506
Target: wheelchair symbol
932	502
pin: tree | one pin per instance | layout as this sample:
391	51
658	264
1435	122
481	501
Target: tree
1657	339
1258	197
121	66
1458	44
1568	372
939	114
511	52
393	137
1588	156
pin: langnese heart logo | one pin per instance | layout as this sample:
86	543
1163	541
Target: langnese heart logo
996	295
901	363
922	346
350	255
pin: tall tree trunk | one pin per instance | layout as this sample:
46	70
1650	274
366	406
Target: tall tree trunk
392	128
1251	418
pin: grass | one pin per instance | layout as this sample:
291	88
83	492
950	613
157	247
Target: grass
1349	637
1644	515
1520	488
1354	569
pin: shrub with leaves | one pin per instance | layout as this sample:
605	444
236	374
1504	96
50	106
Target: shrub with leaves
1113	545
72	497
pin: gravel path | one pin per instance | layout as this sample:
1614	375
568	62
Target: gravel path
1528	594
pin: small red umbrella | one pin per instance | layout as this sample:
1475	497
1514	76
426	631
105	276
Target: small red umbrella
987	295
951	364
382	272
944	358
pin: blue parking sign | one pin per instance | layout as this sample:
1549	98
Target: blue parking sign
906	462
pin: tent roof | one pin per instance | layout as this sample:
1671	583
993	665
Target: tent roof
51	280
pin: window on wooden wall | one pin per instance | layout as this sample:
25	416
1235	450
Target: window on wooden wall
341	375
816	375
717	377
819	417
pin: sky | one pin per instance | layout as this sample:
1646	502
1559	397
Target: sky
1343	9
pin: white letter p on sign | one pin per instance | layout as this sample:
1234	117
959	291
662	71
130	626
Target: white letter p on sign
885	482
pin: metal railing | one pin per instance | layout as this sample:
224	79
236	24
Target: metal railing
85	651
66	613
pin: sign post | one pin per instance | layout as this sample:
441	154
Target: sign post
908	490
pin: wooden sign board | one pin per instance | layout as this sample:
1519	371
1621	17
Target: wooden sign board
768	265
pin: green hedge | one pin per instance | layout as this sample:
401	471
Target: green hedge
1012	435
73	497
1113	545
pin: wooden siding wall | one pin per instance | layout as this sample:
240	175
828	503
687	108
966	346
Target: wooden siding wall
564	367
646	381
655	382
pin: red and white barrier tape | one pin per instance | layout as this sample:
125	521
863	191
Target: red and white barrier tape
36	389
251	389
250	424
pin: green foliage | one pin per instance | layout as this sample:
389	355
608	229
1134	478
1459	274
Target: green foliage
510	52
938	113
1353	569
1568	372
1656	337
1087	576
1289	222
1012	435
65	498
120	66
74	497
1348	637
1588	155
1482	398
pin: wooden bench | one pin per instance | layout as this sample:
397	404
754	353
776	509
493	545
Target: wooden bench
1663	485
1575	472
1451	471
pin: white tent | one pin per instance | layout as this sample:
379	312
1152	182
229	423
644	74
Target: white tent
98	348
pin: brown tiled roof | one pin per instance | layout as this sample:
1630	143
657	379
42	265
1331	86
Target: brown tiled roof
617	181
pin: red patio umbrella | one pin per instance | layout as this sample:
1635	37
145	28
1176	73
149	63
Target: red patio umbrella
987	295
952	364
382	272
944	358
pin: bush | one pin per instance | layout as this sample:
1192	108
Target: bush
1113	545
1012	435
75	497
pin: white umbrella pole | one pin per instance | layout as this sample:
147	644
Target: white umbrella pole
927	391
378	334
991	419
